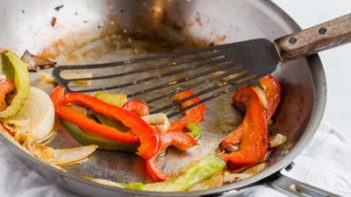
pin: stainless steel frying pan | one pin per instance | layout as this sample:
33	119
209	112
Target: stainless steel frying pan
96	31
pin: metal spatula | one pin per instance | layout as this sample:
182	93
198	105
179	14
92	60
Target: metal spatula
211	71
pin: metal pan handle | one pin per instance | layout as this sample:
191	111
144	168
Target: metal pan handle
293	187
283	184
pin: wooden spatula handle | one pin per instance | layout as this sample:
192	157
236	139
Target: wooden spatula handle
314	39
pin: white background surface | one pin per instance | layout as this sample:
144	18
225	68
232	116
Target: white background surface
337	62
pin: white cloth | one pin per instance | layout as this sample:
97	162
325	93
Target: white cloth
324	163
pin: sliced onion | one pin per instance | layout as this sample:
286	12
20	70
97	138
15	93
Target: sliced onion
268	155
23	138
42	152
39	110
70	156
104	182
256	168
16	125
161	120
55	157
234	177
35	123
61	157
261	95
213	182
277	140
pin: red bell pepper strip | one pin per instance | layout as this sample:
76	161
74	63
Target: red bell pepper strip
148	138
231	142
272	90
254	140
89	124
195	114
6	86
137	106
180	140
6	129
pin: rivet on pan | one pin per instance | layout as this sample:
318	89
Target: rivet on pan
322	31
290	166
292	40
295	188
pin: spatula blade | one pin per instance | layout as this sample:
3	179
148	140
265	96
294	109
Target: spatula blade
258	56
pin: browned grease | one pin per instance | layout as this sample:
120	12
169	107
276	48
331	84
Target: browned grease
113	39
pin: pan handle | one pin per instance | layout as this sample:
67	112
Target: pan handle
283	184
314	39
293	187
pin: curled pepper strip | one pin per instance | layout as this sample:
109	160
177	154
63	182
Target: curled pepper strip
254	139
6	86
272	90
137	106
139	129
180	140
194	115
175	135
15	69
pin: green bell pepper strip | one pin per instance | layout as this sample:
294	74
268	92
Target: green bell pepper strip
195	173
15	69
109	122
114	99
87	138
194	130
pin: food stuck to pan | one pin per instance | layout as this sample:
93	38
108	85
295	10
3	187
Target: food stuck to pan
108	121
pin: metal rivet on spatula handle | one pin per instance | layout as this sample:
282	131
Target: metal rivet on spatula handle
322	31
292	40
